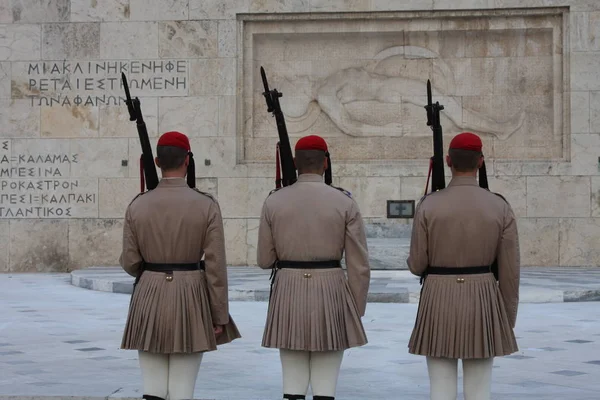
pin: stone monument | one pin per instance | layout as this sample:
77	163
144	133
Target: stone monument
526	79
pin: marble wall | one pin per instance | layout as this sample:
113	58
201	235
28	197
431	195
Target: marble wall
522	73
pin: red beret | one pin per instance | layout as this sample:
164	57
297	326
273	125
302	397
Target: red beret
312	142
466	141
175	139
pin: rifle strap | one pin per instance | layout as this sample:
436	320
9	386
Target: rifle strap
429	174
143	184
277	168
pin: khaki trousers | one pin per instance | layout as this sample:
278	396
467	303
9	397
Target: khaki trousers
170	376
443	377
320	369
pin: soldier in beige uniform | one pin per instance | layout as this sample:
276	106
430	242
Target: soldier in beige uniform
315	310
464	311
179	307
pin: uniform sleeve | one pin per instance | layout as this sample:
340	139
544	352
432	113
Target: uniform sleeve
265	249
131	258
357	258
216	266
509	266
418	256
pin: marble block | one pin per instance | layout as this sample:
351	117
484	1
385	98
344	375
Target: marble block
579	242
38	11
39	246
252	240
595	112
94	242
115	194
539	241
20	42
116	39
565	196
235	241
194	116
4	245
19	119
188	39
156	10
69	121
105	10
71	41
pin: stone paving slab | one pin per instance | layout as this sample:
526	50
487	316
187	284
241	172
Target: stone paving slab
538	285
58	341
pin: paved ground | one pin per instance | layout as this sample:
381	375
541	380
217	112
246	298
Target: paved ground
60	340
538	285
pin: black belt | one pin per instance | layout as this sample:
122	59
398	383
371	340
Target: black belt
309	264
169	268
484	269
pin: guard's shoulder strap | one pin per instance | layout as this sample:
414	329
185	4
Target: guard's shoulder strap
274	190
347	193
210	196
502	197
138	195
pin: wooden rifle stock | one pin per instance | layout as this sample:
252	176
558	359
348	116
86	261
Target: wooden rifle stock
284	149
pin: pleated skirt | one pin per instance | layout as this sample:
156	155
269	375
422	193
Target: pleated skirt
462	320
173	316
312	310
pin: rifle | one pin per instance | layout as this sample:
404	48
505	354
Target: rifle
436	163
147	167
286	172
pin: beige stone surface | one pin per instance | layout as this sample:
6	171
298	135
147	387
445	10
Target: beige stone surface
188	39
252	240
584	72
116	40
114	119
94	242
212	77
115	194
554	196
227	38
71	41
595	112
39	246
235	241
101	158
580	112
218	153
5	80
69	121
584	156
339	6
243	197
579	242
105	10
539	241
371	193
19	118
4	245
6	15
227	116
20	42
156	10
217	9
595	196
36	11
193	116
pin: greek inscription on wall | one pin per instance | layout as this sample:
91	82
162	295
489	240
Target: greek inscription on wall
38	185
97	83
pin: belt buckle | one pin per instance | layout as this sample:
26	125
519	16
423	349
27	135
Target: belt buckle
460	280
169	277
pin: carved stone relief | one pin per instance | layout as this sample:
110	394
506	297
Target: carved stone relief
362	83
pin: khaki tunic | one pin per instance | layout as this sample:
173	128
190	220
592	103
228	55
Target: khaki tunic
460	226
314	309
176	313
